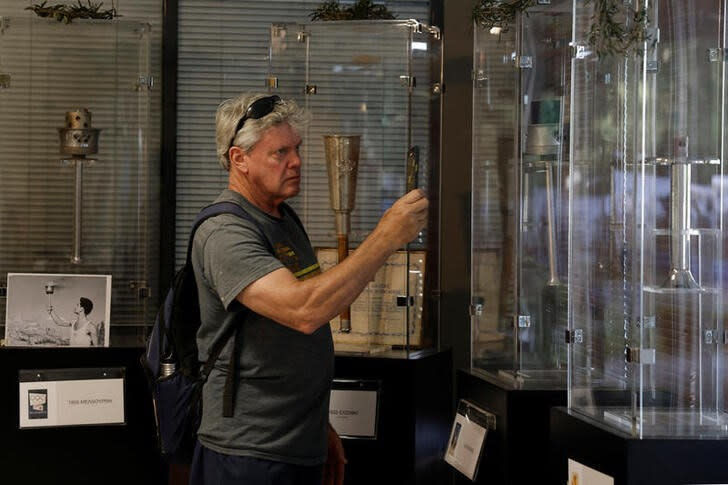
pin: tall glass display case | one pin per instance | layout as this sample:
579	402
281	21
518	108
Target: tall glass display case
79	188
647	279
519	197
373	91
520	167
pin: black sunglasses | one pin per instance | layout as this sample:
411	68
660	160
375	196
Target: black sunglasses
258	108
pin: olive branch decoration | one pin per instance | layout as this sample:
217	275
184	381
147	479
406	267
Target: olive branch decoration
499	13
613	31
67	13
610	34
361	10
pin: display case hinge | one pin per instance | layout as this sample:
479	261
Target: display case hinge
310	89
524	321
436	89
711	337
407	81
579	51
524	62
653	66
302	36
3	291
271	82
4	80
145	82
402	300
716	54
476	309
575	336
725	337
141	288
420	28
636	355
480	79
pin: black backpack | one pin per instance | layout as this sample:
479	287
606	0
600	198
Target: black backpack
171	362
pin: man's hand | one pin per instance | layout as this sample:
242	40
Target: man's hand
334	467
405	219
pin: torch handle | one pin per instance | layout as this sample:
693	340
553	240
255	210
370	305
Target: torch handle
343	252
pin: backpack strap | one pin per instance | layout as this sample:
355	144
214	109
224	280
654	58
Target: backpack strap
216	349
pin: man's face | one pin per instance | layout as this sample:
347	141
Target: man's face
274	163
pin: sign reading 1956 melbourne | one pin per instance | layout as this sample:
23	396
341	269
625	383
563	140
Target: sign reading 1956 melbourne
71	397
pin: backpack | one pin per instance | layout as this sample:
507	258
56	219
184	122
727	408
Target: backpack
170	360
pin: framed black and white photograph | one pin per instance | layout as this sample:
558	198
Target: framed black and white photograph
58	310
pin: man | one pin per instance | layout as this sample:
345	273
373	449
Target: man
279	433
84	332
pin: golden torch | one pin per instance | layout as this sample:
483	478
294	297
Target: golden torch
342	162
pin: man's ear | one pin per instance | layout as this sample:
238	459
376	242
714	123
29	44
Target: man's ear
238	159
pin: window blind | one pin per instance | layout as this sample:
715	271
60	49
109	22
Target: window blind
223	51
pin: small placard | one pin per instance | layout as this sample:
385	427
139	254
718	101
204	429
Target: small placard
354	407
467	438
583	475
71	397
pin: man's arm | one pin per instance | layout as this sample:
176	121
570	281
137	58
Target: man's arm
307	305
61	322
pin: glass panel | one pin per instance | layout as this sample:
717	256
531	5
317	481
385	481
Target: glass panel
70	213
371	80
520	225
648	138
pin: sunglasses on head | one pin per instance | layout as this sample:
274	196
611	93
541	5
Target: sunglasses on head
257	109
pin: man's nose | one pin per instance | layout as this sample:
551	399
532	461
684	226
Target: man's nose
295	160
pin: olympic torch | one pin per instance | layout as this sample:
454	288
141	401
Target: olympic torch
342	162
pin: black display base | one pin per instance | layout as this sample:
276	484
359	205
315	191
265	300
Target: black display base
415	413
632	461
79	455
515	452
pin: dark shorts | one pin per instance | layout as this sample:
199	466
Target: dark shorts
213	468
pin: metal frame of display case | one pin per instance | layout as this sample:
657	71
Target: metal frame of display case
647	247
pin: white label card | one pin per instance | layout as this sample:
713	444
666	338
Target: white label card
465	445
583	475
353	413
73	402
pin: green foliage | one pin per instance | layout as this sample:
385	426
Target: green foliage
615	31
361	10
66	13
499	13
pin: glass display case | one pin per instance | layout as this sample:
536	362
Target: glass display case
647	241
79	189
519	198
373	91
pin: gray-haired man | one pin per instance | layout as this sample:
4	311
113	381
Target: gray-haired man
279	433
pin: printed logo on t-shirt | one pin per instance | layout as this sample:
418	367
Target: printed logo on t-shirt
287	256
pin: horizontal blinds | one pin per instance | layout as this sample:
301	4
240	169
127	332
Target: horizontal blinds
54	68
224	50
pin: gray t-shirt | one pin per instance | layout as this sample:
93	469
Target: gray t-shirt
284	376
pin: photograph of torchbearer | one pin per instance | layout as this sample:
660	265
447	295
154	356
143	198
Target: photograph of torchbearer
342	163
